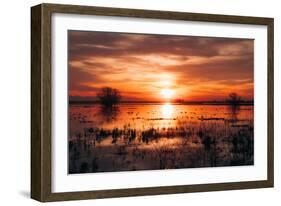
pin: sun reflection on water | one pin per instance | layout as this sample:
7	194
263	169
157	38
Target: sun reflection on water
167	110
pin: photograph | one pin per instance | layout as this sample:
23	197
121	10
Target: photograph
152	102
133	102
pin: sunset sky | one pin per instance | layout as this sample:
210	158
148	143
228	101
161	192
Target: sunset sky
159	67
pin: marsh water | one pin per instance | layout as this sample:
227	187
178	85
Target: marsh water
158	136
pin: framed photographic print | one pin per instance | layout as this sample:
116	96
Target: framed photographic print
132	102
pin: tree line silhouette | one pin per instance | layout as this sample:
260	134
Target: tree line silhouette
109	97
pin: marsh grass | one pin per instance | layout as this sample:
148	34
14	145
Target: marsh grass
189	143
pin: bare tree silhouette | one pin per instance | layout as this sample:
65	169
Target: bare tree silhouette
234	99
109	97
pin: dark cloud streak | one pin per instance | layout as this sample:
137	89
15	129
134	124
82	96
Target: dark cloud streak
205	65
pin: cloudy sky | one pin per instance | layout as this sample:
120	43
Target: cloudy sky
157	67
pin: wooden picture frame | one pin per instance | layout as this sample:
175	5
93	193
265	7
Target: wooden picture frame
41	116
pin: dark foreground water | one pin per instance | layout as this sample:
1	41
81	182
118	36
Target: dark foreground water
158	136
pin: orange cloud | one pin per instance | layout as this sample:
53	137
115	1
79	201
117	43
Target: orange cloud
141	66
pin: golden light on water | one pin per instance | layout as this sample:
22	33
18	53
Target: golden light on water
167	110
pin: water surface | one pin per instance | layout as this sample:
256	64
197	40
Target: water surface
158	136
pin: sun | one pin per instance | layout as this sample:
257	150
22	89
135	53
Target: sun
167	93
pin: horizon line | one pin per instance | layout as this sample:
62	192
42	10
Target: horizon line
214	102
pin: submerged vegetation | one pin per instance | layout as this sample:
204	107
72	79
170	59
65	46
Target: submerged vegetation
185	139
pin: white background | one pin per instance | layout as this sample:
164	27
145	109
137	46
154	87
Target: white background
15	102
